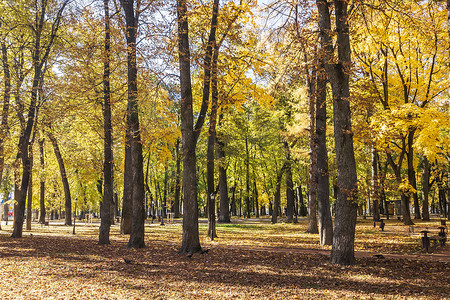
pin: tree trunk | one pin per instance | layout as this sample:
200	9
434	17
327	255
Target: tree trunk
176	204
137	164
425	188
108	190
224	212
127	205
448	187
5	111
190	241
338	74
276	199
448	158
375	185
212	137
255	195
276	202
42	182
290	206
164	204
323	182
312	197
65	182
30	192
247	179
412	173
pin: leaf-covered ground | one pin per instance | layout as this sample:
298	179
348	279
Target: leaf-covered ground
249	260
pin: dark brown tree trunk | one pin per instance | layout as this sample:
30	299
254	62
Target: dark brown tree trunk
39	58
425	188
375	186
176	204
5	110
224	212
302	207
323	182
137	164
108	190
42	182
412	173
65	182
247	178
312	195
448	159
164	204
30	192
338	74
277	195
212	141
127	205
255	195
290	206
276	202
190	241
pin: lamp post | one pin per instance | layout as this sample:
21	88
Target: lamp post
74	215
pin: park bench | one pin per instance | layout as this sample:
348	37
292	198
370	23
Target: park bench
441	238
382	224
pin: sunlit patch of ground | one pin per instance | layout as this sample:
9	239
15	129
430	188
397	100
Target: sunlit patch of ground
51	263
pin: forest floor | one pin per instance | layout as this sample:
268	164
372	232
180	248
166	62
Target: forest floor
250	259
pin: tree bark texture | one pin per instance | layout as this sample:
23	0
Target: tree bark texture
108	189
255	196
277	195
212	140
176	204
127	205
65	182
338	75
312	195
448	159
412	173
323	182
42	182
290	206
224	211
30	193
247	180
425	188
137	161
6	103
190	240
375	186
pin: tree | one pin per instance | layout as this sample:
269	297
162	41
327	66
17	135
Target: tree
62	169
40	55
108	190
338	75
213	49
323	182
312	197
136	162
190	242
42	182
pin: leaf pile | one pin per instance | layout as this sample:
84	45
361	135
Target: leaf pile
48	266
